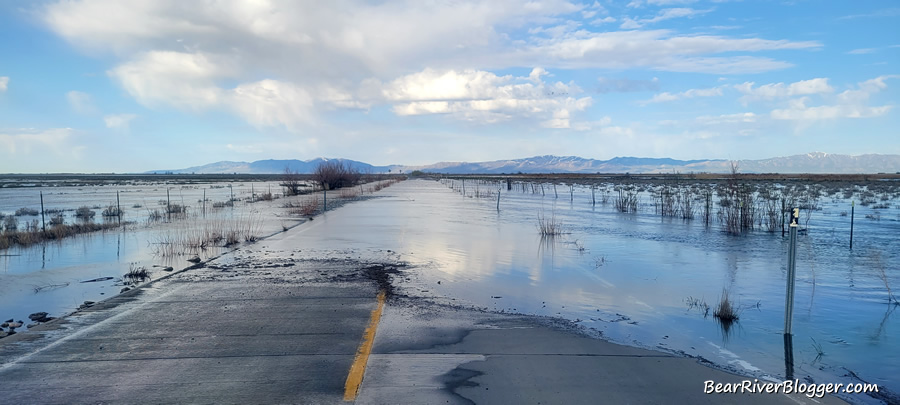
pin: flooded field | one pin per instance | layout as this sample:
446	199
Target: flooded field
628	262
162	225
641	278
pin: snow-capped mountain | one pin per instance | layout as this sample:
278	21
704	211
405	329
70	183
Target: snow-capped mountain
816	162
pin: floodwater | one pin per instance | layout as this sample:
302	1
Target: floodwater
630	275
55	276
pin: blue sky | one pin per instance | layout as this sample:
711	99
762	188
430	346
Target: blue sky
125	86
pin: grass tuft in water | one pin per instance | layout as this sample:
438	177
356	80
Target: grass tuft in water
549	226
726	311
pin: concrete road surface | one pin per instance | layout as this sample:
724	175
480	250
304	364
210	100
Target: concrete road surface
264	326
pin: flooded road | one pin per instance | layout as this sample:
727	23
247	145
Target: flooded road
630	275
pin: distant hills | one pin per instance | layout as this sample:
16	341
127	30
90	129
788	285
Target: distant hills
816	162
272	166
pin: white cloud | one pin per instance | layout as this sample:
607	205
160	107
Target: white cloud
484	97
656	49
4	83
665	14
24	142
604	20
862	51
781	90
118	121
185	80
847	104
81	102
353	40
737	118
692	93
271	103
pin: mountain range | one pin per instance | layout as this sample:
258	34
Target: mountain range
816	162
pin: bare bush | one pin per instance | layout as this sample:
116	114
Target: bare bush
291	182
332	174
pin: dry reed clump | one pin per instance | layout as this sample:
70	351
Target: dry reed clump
549	226
57	219
305	208
349	193
627	201
34	234
26	211
85	213
136	273
201	234
112	211
879	268
726	311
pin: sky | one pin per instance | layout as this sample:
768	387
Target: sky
138	85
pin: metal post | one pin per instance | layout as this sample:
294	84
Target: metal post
852	209
168	210
498	199
44	224
593	199
204	203
788	357
118	207
324	199
792	267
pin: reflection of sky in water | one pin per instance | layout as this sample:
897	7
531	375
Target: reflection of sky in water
649	266
59	268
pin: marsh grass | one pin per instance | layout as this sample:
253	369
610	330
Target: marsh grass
699	304
304	208
26	211
549	226
726	311
879	270
112	211
818	347
85	213
136	273
33	234
199	234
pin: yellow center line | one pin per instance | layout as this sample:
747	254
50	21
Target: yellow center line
358	369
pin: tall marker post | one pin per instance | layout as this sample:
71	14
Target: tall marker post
792	271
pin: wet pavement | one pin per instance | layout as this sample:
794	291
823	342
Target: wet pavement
268	324
260	338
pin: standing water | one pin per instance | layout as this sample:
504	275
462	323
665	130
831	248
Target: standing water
645	280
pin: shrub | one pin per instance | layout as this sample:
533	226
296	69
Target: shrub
112	211
85	213
26	211
10	224
332	174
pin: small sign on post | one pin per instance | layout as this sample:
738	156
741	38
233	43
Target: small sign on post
792	264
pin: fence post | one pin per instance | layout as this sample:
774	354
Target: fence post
792	264
44	224
852	209
118	207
